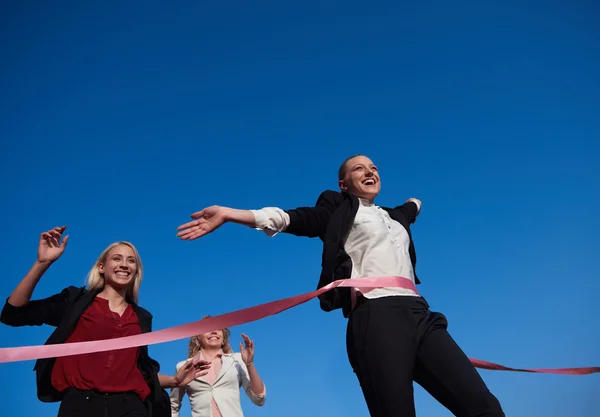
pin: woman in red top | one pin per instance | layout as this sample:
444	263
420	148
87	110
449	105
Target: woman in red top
114	383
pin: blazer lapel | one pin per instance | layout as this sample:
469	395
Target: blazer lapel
228	362
75	312
143	318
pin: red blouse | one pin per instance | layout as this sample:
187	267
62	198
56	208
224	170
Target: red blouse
111	371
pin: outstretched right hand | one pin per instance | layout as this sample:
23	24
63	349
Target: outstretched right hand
208	220
50	247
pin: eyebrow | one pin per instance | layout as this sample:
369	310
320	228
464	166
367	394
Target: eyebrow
359	164
128	257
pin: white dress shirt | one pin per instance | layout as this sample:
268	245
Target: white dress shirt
225	390
377	244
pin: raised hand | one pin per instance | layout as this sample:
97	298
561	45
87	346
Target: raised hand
208	220
248	351
50	247
190	371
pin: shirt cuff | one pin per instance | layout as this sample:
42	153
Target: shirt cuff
271	220
261	395
417	203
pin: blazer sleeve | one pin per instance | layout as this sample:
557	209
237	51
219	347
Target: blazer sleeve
312	221
49	310
177	394
409	210
244	378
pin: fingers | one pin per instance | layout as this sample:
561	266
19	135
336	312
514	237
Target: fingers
198	214
195	229
188	225
202	364
52	236
200	373
247	340
64	242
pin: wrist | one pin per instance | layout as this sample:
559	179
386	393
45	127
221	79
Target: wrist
228	214
42	264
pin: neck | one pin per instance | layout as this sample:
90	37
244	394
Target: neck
368	200
113	295
210	352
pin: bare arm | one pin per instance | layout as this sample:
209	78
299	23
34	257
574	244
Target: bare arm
21	295
245	217
19	309
302	221
211	218
256	383
251	381
49	250
184	375
167	381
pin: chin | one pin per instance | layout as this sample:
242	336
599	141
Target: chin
369	195
120	284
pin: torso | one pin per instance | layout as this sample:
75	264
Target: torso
110	371
379	246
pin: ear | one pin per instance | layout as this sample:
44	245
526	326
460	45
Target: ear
101	268
342	185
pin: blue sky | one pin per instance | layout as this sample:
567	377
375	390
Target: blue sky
120	120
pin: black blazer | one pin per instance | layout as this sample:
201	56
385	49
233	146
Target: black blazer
63	311
330	220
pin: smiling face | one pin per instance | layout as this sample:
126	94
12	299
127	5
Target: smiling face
360	177
211	340
119	267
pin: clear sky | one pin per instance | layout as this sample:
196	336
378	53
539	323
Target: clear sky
120	119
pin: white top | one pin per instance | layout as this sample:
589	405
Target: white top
377	244
225	390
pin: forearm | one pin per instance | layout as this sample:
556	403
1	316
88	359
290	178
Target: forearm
167	381
23	292
244	217
256	384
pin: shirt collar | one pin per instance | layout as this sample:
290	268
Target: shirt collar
365	202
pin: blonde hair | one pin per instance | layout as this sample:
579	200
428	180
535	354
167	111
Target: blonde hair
195	345
95	279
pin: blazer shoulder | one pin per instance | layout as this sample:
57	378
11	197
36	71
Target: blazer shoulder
74	292
181	363
330	196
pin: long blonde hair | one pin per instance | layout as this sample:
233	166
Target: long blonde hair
95	279
195	345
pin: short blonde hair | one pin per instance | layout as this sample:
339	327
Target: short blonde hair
95	279
195	345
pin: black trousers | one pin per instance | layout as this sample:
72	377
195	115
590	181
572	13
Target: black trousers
77	403
393	341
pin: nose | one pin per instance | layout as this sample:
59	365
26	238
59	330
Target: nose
369	172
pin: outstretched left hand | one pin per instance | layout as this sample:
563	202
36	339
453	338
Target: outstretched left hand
248	351
190	371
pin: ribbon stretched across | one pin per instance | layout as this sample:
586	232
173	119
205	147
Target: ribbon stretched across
232	319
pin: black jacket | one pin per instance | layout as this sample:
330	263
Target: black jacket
330	220
63	311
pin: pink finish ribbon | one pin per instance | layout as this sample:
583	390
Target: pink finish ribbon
231	319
